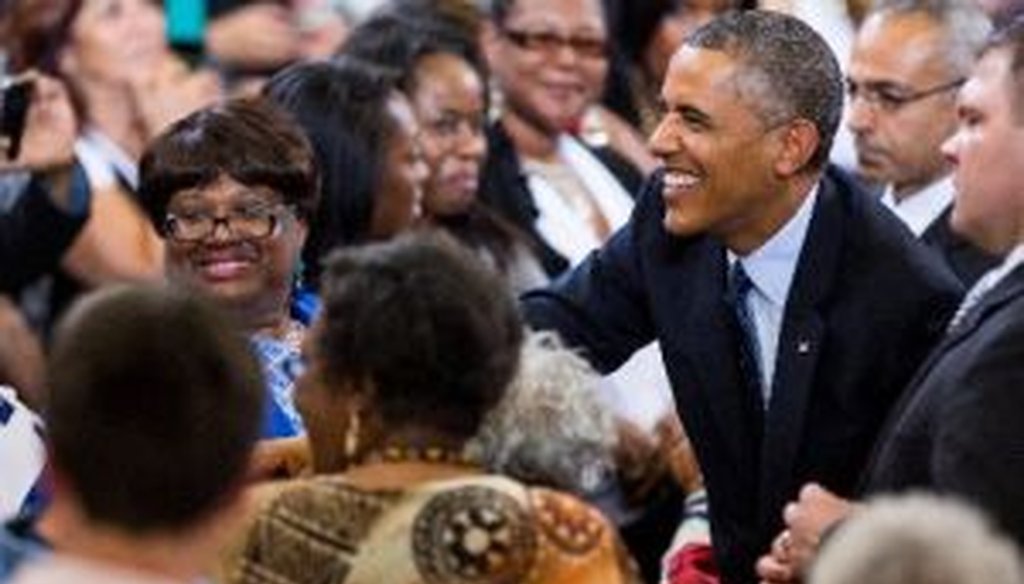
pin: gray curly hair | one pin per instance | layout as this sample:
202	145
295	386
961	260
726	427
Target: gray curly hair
550	428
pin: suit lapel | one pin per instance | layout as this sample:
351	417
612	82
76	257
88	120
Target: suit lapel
707	348
800	342
1009	288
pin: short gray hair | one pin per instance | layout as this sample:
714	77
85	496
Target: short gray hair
965	25
550	428
918	539
788	70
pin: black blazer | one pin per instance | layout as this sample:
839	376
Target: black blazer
958	429
966	260
504	189
866	304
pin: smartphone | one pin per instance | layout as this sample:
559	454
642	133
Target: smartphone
15	98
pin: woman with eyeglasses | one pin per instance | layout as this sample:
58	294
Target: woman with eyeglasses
230	189
544	56
126	85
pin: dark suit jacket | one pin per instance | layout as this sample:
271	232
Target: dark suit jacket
966	260
958	429
503	188
866	304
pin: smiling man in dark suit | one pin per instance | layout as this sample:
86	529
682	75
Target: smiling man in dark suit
786	374
957	429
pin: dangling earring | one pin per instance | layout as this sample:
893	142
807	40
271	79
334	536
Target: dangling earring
298	271
352	436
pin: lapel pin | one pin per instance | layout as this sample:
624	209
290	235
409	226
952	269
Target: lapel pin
803	347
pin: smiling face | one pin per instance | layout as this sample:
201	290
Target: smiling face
987	152
901	54
115	40
548	86
250	275
449	102
720	159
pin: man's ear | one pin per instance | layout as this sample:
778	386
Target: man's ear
799	141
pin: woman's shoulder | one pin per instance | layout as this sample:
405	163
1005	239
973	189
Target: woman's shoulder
478	528
530	533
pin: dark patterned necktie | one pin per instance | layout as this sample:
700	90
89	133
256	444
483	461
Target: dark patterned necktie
737	291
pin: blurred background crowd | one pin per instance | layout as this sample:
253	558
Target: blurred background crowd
261	262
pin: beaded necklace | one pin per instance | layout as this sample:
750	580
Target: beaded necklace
428	454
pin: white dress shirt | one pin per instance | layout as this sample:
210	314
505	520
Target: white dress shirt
558	223
771	268
919	210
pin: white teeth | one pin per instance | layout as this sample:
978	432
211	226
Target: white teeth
681	180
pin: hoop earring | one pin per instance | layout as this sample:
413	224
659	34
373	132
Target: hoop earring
351	444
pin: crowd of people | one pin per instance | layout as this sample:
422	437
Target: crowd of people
665	291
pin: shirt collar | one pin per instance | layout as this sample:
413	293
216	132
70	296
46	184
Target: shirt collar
998	273
771	266
921	209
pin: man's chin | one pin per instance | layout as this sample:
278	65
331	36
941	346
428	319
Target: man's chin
678	225
873	172
231	294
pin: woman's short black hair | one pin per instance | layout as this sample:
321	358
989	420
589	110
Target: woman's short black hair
246	139
342	106
399	35
435	331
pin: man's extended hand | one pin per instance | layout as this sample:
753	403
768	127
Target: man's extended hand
807	519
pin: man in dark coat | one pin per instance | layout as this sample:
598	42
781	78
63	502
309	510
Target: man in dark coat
785	369
957	428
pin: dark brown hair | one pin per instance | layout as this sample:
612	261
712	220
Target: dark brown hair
435	331
248	139
155	404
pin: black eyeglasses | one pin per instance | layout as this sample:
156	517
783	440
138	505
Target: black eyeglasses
256	222
889	98
549	42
